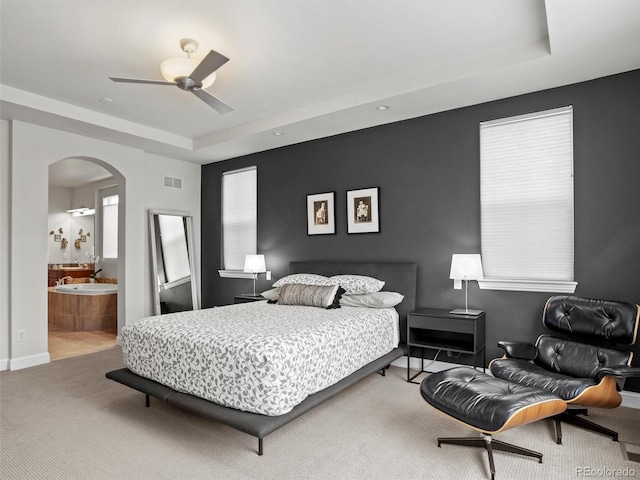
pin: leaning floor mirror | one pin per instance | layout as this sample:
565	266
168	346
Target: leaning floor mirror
174	282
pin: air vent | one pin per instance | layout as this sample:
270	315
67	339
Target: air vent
171	182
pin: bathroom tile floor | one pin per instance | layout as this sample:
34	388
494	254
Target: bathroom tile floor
65	343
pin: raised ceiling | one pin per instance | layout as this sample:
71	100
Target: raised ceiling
308	69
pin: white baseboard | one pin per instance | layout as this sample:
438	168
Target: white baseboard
4	364
28	361
629	399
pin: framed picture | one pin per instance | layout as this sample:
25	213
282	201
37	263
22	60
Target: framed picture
363	213
321	219
83	238
57	238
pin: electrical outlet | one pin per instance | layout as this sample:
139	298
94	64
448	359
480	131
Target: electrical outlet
268	275
21	335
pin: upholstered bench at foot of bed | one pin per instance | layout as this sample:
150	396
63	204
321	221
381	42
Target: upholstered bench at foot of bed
489	405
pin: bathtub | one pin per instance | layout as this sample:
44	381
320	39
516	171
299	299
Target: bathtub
88	288
84	306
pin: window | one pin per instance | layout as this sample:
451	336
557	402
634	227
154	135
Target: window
526	196
239	218
110	226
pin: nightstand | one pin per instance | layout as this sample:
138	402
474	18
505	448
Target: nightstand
246	298
440	330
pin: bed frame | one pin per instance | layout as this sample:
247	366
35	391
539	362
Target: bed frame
398	277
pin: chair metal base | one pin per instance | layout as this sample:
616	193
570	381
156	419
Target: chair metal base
571	416
489	444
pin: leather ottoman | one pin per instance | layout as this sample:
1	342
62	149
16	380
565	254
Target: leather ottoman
489	405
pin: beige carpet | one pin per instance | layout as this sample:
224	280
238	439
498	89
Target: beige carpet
65	420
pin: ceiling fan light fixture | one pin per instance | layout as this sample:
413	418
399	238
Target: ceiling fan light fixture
174	68
190	75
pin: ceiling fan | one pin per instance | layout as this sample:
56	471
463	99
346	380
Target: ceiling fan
189	75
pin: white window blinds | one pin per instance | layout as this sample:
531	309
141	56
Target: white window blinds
110	226
239	216
526	194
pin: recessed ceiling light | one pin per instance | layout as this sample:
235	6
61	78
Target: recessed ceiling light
383	107
278	134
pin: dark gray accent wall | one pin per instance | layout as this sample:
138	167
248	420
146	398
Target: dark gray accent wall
428	171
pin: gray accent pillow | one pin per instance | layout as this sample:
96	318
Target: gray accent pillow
310	295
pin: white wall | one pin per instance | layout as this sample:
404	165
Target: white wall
24	208
5	215
86	194
159	197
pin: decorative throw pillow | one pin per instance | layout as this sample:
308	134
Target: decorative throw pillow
271	294
372	300
357	283
310	295
302	279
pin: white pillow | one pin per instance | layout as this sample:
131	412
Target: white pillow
271	294
302	279
357	283
372	300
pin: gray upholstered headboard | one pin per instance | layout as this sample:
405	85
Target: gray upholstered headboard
398	277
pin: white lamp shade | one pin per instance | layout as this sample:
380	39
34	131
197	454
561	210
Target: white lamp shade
466	267
183	67
254	264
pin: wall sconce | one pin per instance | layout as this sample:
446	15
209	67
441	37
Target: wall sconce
464	268
254	264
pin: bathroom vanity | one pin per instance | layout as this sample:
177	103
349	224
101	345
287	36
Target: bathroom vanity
68	270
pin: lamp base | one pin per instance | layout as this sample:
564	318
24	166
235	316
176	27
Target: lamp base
462	311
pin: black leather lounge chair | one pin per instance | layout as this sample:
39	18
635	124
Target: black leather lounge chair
585	365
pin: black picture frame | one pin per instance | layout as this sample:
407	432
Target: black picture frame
321	218
363	210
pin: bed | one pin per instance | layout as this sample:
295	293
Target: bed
273	374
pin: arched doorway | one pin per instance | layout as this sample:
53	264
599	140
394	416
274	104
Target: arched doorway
90	324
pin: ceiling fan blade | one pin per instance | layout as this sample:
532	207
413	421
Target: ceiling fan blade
212	101
135	80
208	65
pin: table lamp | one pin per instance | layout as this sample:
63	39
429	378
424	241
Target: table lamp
465	267
254	264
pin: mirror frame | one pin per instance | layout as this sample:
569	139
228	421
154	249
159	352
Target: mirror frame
154	256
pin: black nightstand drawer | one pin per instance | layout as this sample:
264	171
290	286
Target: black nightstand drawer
452	324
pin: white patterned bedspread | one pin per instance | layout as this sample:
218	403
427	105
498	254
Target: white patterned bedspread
258	357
